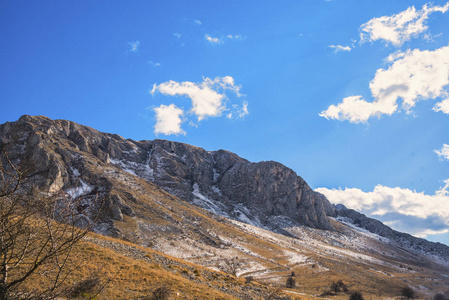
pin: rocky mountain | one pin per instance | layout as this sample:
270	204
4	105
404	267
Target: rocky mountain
218	181
209	207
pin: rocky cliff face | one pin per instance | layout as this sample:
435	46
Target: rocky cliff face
267	194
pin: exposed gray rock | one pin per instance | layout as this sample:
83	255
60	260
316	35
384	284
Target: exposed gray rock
404	240
116	208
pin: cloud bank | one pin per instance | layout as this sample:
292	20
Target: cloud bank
208	99
412	76
402	209
401	27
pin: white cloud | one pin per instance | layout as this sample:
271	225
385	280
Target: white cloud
238	112
403	209
154	64
244	111
401	27
356	110
177	35
444	152
134	46
197	22
208	98
394	56
168	120
339	48
221	40
213	40
442	106
235	37
413	76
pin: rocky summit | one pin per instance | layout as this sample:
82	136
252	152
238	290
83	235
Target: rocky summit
210	207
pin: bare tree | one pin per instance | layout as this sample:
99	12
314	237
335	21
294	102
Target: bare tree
38	233
230	266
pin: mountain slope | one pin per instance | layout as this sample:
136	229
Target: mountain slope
153	191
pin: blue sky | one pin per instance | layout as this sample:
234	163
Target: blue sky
349	94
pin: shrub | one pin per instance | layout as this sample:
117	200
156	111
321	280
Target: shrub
440	296
356	296
291	283
408	292
339	286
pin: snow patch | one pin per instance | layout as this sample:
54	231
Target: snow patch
217	190
216	174
206	203
134	168
244	215
80	190
349	222
76	173
295	258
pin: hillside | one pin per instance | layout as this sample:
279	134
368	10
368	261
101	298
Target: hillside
217	210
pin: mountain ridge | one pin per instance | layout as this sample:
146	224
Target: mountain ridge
154	192
189	172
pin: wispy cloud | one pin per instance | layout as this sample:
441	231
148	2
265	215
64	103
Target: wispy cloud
401	27
238	112
235	37
443	152
403	209
413	76
340	48
213	40
197	22
168	120
177	35
154	64
220	40
134	46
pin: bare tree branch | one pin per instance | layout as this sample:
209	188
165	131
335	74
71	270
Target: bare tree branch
38	234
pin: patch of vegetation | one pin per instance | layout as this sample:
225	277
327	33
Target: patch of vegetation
291	282
87	288
338	286
408	292
356	295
